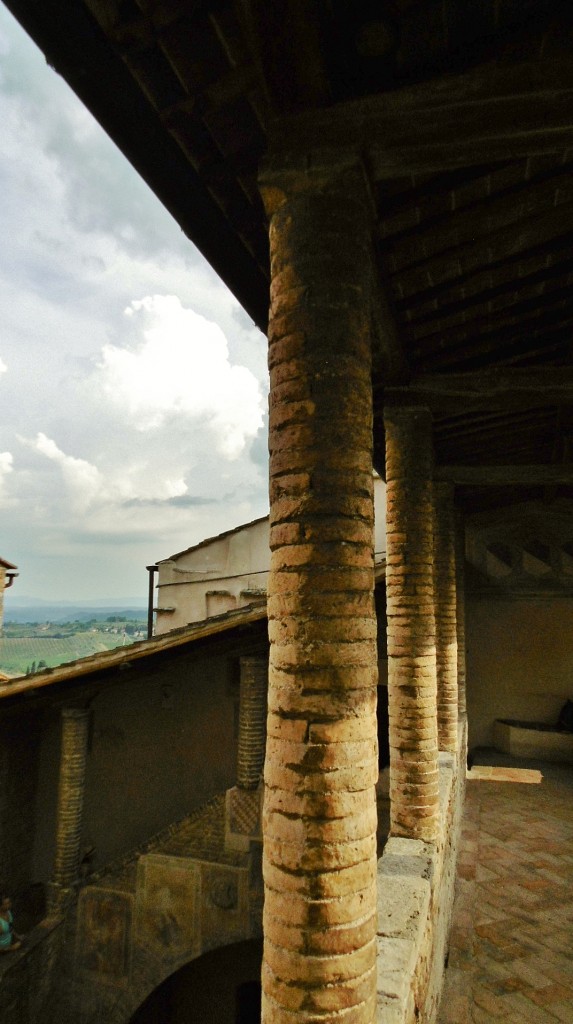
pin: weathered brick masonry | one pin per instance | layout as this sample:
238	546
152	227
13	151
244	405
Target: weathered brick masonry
445	612
411	625
252	721
321	763
460	545
71	790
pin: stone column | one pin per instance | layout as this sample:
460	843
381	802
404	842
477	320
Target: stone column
461	612
414	795
252	721
445	613
70	804
319	846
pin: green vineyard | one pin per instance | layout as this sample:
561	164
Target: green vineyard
23	655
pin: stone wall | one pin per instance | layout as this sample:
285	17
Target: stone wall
19	740
415	900
519	660
162	742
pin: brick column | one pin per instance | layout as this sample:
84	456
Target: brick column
460	541
70	803
319	846
252	721
414	797
445	613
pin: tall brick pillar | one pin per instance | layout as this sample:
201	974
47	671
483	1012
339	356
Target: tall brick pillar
445	613
319	836
74	736
461	612
252	721
413	732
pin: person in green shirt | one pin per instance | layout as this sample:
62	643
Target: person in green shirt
9	939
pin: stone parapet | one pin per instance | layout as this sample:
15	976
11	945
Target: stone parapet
415	899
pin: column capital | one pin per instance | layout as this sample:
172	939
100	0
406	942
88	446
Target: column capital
286	176
73	711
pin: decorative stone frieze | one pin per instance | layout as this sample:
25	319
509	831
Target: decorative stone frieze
71	788
319	859
411	624
445	613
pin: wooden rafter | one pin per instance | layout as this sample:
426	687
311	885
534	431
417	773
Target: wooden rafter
506	390
499	111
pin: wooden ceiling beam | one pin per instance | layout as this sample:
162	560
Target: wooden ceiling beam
285	43
508	390
506	476
498	111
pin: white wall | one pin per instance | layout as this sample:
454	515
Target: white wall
227	571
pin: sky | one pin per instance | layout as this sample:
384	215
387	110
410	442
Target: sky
133	387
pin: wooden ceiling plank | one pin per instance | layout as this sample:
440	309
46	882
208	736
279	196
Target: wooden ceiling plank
487	390
510	476
488	214
549	307
513	240
549	275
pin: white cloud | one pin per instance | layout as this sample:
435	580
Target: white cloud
84	481
123	465
6	467
181	368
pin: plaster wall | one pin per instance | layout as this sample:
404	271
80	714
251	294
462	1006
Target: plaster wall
161	744
519	660
225	572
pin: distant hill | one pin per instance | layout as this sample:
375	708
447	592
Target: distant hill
63	611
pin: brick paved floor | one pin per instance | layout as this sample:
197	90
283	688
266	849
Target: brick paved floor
511	947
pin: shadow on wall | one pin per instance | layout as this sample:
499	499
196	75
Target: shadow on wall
221	987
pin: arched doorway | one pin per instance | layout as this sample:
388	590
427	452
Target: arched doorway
221	987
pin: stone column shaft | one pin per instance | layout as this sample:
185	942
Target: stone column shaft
445	613
70	796
461	612
414	794
319	851
252	721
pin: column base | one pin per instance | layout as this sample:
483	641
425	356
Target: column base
58	899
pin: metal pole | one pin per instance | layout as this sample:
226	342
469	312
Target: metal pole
152	569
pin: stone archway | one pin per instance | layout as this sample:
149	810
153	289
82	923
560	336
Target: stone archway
220	987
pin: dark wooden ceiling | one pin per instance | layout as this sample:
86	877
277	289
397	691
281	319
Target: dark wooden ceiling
462	112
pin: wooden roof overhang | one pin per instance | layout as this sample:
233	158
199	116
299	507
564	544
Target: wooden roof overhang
462	114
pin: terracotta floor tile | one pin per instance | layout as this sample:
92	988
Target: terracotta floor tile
551	994
562	1011
512	939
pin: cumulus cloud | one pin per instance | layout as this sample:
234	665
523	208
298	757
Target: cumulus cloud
83	481
6	467
126	417
179	365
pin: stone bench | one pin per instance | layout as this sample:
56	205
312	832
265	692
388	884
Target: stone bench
536	740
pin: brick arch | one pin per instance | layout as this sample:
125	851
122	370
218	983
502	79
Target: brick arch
219	978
